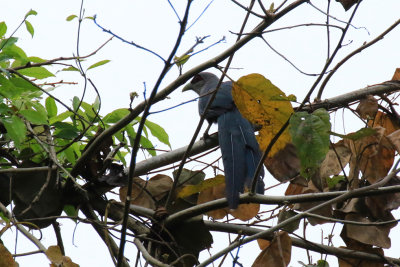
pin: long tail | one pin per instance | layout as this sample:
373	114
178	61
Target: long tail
240	155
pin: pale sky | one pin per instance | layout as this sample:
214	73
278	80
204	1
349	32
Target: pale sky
155	26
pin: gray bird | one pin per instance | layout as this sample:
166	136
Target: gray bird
239	148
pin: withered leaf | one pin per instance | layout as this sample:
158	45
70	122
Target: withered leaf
213	193
396	75
386	121
245	212
278	253
147	193
6	258
336	159
350	262
285	164
372	155
368	107
371	234
381	205
325	211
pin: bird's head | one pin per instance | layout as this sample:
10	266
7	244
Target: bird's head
198	82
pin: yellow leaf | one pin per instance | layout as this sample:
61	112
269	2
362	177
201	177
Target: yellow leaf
259	101
193	189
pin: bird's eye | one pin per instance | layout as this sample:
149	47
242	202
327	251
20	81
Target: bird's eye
197	78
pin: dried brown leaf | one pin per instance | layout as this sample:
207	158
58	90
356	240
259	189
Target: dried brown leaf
263	243
381	205
6	259
146	193
370	235
210	194
245	212
394	139
336	159
54	254
396	75
350	262
325	211
285	164
372	155
368	107
385	121
277	254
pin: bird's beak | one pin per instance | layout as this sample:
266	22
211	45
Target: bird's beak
187	87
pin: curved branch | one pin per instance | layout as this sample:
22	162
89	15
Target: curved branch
147	256
339	252
275	200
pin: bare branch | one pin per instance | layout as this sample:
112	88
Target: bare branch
339	252
358	50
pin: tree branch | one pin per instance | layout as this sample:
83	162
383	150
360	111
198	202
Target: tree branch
339	252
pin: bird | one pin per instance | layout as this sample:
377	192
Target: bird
239	148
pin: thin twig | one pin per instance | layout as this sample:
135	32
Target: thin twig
358	50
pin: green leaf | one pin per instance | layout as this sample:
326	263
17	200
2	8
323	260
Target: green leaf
71	68
71	17
36	72
29	28
89	110
65	130
91	18
4	109
121	157
13	88
310	135
332	182
30	13
180	61
51	107
116	115
322	263
364	132
4	218
60	117
8	42
146	144
34	116
16	129
36	59
96	104
158	132
71	211
69	155
24	84
75	103
3	29
16	53
102	62
271	7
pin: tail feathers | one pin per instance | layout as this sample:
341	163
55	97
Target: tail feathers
240	155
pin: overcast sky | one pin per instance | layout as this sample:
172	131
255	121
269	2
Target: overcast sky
155	26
